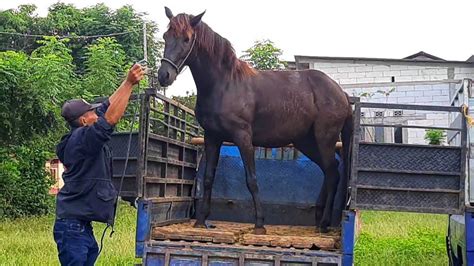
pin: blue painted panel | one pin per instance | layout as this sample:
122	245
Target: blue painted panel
469	231
179	261
154	259
143	227
284	185
348	238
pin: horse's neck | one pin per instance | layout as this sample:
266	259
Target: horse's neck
208	78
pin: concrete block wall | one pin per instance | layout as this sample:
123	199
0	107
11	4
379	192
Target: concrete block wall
354	73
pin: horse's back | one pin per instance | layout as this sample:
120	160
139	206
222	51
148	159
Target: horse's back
288	103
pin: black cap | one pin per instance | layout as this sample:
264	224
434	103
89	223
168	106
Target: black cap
73	109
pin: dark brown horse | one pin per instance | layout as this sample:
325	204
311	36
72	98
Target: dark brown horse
251	108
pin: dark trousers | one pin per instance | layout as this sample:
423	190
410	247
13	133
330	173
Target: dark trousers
75	241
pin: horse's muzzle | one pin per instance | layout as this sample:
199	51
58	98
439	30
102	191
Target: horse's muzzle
166	76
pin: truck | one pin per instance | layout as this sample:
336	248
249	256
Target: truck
157	167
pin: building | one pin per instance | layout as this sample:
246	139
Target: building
420	78
56	169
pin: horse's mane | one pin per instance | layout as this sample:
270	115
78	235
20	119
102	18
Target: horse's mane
218	48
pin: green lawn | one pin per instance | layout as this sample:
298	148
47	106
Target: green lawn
387	238
30	241
391	238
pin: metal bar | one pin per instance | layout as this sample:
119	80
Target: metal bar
167	258
167	126
168	222
173	116
160	180
205	260
124	158
400	83
409	189
410	145
171	199
355	154
411	107
145	129
173	141
402	171
171	161
408	209
200	141
175	103
412	126
464	158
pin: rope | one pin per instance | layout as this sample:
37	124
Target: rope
469	119
68	36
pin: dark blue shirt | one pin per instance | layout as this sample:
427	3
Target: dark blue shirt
88	193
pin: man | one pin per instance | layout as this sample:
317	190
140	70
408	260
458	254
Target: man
88	193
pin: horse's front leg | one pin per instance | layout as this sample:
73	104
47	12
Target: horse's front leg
212	148
244	141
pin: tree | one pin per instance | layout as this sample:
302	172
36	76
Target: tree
263	55
105	65
189	100
67	20
38	74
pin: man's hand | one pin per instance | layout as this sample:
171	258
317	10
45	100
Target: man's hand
135	74
119	100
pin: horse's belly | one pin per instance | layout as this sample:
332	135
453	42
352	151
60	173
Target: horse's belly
280	132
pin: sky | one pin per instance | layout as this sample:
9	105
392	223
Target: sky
379	29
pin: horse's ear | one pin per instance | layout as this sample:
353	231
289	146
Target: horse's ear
196	19
168	12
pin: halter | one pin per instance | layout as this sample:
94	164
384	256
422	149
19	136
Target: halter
178	68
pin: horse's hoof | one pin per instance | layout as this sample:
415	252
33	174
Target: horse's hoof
323	229
199	225
260	231
204	225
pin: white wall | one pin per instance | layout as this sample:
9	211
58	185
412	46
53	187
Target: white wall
435	93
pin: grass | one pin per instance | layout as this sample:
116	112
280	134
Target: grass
391	238
386	238
29	241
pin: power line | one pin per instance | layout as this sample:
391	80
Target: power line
69	36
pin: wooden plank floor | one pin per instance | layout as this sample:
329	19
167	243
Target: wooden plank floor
285	236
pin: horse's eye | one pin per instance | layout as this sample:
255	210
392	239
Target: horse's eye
186	40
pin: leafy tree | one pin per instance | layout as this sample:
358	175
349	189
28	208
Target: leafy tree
38	74
67	20
105	65
189	100
264	55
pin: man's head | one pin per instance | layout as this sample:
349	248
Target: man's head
79	113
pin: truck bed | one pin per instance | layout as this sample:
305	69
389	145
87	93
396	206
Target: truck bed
231	233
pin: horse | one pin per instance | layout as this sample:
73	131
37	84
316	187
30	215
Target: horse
237	103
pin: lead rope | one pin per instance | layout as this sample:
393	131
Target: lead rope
469	119
123	172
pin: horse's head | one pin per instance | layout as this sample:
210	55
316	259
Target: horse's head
180	41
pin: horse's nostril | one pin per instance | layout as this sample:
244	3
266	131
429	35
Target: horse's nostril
167	74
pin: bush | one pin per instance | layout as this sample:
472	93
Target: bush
434	136
24	182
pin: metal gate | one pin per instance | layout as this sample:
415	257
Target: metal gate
407	176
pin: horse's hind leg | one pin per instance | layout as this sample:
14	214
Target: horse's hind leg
243	140
326	139
309	148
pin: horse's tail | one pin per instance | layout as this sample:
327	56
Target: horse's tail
346	137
